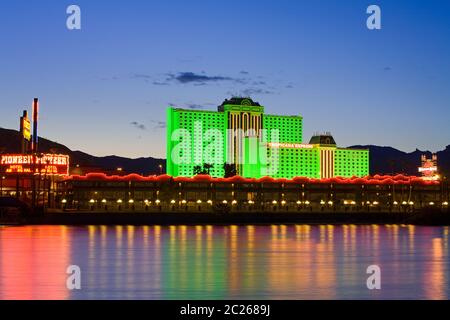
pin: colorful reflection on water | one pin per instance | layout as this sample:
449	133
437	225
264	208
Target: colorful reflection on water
225	262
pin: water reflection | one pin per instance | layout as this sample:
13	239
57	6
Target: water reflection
33	262
225	262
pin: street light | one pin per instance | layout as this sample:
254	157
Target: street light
64	203
160	169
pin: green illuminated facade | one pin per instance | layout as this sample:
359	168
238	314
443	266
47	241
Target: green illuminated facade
254	144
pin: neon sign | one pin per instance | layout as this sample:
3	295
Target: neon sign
47	164
290	145
429	168
26	128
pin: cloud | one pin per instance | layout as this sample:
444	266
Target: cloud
141	76
387	68
195	107
259	83
138	125
244	72
255	91
158	124
191	77
159	83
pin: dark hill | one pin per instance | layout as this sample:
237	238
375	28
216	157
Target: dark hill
387	160
10	142
383	160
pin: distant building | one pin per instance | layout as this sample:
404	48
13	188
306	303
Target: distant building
256	144
429	168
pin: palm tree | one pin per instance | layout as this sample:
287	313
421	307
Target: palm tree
197	170
230	170
207	168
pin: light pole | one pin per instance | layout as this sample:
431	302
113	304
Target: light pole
39	156
45	179
1	185
160	169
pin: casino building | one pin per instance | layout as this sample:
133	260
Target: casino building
256	144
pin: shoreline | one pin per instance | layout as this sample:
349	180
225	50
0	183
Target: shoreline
428	218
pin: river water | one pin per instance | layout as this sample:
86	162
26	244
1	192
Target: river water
224	262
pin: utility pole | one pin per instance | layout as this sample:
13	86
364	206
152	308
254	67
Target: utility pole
34	150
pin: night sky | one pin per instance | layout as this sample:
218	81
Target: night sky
104	89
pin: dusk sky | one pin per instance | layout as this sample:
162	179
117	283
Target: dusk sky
104	89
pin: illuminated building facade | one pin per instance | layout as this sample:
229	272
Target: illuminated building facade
256	144
429	168
101	193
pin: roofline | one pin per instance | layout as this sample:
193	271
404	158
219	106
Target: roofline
192	110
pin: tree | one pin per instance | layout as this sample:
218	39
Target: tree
230	170
197	170
207	168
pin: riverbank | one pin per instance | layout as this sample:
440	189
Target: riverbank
428	217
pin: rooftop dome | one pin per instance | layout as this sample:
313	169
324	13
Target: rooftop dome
241	101
323	139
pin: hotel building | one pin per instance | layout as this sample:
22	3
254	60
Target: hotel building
239	133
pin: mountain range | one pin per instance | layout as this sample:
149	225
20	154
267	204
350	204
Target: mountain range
10	142
383	160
